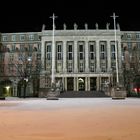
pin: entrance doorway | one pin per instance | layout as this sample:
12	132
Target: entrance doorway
70	81
93	83
81	82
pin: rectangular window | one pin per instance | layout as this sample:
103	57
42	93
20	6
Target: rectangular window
102	55
59	52
69	48
31	37
80	48
59	48
48	48
91	48
112	48
81	51
69	56
59	56
22	37
102	51
70	52
129	35
102	48
13	38
92	55
4	38
48	51
112	51
81	56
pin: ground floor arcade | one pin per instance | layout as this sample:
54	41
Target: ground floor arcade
77	82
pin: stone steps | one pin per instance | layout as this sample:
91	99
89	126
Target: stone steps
84	94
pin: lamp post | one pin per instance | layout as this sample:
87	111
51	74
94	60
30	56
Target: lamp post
55	90
117	93
53	51
116	50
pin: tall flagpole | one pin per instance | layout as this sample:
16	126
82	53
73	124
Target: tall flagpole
53	50
116	50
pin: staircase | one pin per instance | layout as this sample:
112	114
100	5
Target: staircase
83	94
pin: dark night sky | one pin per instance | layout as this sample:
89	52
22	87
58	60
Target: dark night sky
26	17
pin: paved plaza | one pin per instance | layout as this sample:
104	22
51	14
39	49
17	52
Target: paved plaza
70	119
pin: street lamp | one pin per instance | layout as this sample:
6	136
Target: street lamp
55	87
53	51
116	50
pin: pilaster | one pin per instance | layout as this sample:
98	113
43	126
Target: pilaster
75	83
86	57
108	56
75	57
97	56
64	57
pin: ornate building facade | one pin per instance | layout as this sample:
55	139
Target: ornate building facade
84	59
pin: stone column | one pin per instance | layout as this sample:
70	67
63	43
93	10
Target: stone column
65	83
75	58
64	57
98	83
119	54
86	84
108	56
75	83
86	57
97	56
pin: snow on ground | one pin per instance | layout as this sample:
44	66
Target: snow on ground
69	119
43	103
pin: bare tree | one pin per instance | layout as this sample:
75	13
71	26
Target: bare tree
27	69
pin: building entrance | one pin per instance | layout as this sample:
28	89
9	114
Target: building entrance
81	82
70	82
93	83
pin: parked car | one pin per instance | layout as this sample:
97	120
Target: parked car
135	87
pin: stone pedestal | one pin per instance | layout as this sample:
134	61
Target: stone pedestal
53	93
118	93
